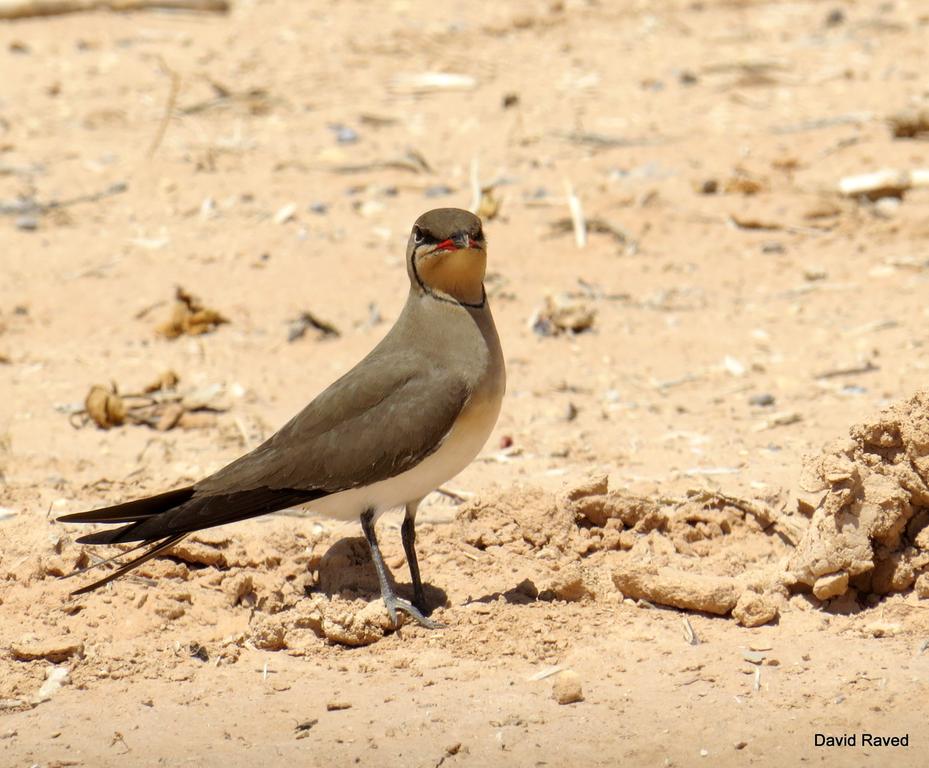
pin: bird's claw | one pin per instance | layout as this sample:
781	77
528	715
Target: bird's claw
395	604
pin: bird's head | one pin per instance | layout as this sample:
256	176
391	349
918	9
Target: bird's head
447	255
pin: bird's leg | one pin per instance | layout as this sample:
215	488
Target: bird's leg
391	600
408	535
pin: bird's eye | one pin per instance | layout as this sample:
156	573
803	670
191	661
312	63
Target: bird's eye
418	235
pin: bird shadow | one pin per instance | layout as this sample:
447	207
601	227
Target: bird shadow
522	594
347	569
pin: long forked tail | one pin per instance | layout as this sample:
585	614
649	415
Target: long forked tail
131	513
164	519
128	512
154	551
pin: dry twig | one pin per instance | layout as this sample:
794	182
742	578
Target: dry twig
169	106
34	206
578	222
21	9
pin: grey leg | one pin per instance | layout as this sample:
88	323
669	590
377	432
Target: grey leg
408	535
391	600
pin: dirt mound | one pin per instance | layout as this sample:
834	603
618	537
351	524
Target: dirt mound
870	529
705	551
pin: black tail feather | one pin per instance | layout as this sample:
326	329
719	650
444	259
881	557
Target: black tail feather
108	535
104	561
132	511
166	518
154	551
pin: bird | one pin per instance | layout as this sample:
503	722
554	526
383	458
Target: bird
407	418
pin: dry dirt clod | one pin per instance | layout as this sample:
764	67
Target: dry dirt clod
158	407
165	381
875	482
170	417
238	587
922	586
268	635
105	407
567	585
831	585
753	609
909	123
342	625
199	553
566	688
190	316
741	183
679	589
562	314
170	611
53	649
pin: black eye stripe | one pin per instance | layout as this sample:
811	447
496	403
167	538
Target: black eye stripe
421	236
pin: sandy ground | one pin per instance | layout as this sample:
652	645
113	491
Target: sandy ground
271	162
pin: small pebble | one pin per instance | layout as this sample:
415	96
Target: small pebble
762	400
835	17
438	190
344	134
55	678
854	389
27	223
887	207
285	213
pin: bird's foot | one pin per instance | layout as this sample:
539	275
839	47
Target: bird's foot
395	604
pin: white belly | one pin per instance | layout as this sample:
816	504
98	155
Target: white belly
457	451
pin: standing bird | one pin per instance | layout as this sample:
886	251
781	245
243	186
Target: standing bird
407	418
